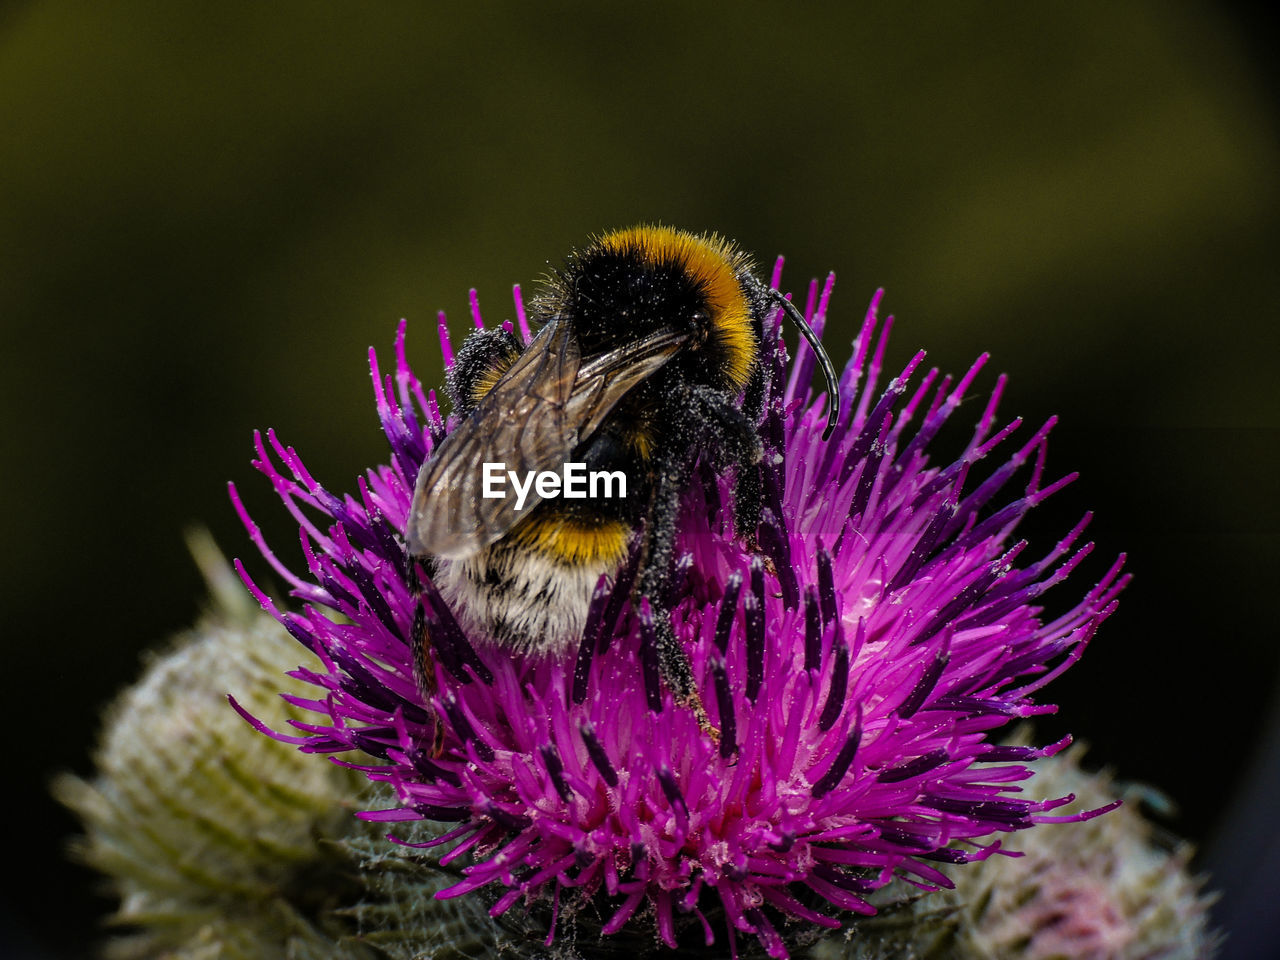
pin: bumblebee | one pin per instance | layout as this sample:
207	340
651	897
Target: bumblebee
646	362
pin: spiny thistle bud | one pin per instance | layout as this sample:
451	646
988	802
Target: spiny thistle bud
214	838
1112	888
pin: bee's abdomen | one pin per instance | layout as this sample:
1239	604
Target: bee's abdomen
529	592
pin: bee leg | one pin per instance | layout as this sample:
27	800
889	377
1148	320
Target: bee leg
748	502
424	661
744	424
709	421
748	495
673	664
655	582
733	442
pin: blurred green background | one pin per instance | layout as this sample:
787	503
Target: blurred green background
209	212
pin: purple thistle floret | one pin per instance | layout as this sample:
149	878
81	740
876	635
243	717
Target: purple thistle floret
855	667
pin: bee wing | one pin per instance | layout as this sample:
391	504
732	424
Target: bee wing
520	422
532	419
604	381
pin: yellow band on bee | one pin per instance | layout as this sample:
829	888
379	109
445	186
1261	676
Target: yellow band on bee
713	263
572	541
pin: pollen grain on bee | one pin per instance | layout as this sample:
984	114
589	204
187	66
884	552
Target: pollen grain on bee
573	482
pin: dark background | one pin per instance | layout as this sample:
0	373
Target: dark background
209	212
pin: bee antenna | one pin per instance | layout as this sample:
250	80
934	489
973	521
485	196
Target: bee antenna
828	370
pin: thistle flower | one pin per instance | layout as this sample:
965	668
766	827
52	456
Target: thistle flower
214	840
854	672
1118	887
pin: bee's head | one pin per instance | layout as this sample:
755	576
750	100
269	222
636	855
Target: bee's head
644	280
